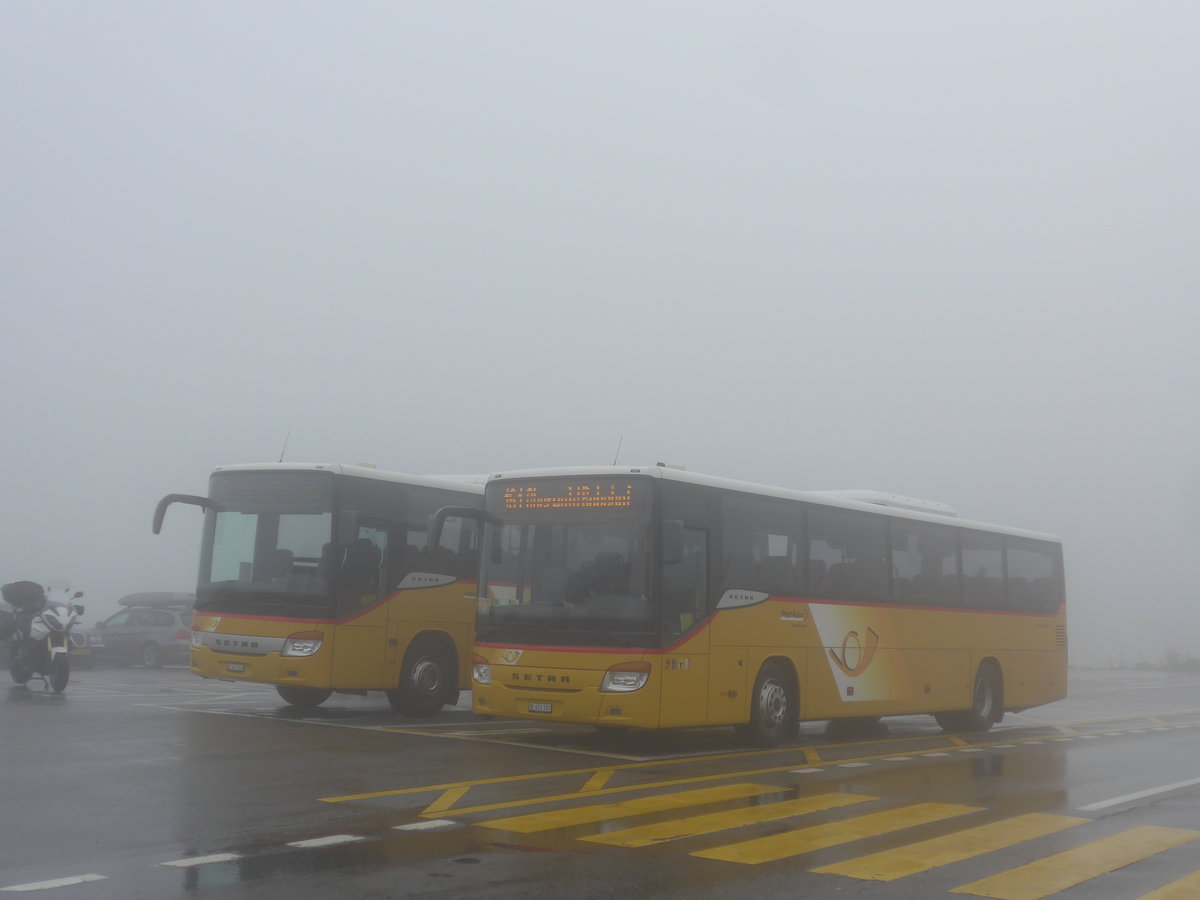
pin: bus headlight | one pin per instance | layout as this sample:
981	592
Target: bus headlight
481	672
197	641
625	677
303	643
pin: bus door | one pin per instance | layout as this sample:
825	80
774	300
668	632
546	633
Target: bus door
684	672
359	644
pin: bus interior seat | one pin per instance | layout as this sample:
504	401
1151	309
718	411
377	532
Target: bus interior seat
816	574
776	575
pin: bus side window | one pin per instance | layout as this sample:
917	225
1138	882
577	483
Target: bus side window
982	571
685	585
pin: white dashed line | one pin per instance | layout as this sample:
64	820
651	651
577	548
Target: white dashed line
425	826
1139	795
56	883
853	765
329	841
897	758
805	771
202	860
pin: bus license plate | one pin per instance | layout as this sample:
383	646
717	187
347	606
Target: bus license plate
540	707
235	667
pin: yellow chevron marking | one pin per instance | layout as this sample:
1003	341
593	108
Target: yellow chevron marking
1071	867
445	801
951	848
597	781
816	837
580	815
1186	888
661	832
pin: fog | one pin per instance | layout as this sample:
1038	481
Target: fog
939	249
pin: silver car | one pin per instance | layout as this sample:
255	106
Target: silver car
148	635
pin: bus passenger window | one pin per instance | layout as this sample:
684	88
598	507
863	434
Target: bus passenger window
982	571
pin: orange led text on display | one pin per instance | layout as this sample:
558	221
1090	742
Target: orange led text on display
573	496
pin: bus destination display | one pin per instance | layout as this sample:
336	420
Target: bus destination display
570	495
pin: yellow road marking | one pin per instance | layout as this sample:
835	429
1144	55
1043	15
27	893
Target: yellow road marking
817	837
598	780
579	815
951	848
444	802
660	832
1071	867
810	754
1186	888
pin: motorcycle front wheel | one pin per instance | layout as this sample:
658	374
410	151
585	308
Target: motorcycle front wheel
60	673
16	668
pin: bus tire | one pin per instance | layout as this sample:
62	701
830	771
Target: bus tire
425	680
302	697
774	707
986	703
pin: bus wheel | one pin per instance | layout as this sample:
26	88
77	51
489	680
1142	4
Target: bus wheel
302	697
773	707
424	681
986	707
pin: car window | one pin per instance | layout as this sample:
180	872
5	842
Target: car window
162	619
139	617
120	618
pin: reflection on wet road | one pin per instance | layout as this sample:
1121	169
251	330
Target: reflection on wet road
256	800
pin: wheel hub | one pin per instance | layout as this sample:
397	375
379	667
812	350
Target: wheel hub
772	702
426	676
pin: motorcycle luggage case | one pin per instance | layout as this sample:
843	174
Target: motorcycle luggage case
24	596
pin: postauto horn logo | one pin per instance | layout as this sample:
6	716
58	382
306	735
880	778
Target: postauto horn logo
855	654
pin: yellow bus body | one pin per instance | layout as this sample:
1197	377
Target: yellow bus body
848	659
361	653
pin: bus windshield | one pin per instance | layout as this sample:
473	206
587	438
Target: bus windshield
582	582
267	542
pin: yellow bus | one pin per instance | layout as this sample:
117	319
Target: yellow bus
657	598
319	579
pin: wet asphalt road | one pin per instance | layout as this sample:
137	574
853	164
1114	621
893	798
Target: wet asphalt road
153	783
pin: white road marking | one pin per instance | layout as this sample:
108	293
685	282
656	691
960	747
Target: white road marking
896	758
424	826
805	771
329	841
202	860
56	883
853	765
1139	795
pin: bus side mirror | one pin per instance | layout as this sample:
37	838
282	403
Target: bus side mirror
671	549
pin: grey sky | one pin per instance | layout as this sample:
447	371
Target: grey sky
931	248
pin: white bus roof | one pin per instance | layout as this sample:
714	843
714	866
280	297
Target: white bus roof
472	484
870	501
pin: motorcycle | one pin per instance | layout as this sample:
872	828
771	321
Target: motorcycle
41	634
